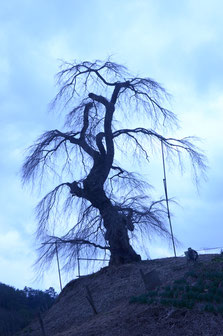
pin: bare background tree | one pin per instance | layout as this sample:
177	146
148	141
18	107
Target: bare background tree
105	110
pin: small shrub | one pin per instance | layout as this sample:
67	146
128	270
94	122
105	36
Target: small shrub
201	297
176	295
133	299
214	276
167	288
210	297
152	293
218	258
170	294
167	294
212	290
187	288
200	286
200	282
179	303
139	299
184	303
150	301
217	299
181	288
197	289
190	304
163	294
219	292
210	308
175	288
180	281
194	296
166	302
220	309
192	274
183	295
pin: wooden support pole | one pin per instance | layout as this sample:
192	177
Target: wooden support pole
41	324
58	266
167	200
90	300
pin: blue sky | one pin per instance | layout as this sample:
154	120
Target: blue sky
178	43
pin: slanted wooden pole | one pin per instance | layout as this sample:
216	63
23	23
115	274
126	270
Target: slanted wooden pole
58	266
167	200
41	324
78	264
90	300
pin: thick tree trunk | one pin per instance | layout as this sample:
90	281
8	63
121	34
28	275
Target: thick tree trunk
115	224
117	236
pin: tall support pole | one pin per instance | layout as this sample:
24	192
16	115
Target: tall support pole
78	264
167	201
58	266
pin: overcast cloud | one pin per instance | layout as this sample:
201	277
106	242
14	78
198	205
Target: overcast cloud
178	43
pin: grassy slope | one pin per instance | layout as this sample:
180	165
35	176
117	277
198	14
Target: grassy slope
177	308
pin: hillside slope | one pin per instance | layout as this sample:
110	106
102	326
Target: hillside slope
111	289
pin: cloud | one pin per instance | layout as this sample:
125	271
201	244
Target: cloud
16	258
177	43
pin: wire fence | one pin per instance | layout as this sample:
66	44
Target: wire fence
204	250
87	259
208	250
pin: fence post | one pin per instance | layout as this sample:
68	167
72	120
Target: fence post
58	266
41	324
90	300
167	201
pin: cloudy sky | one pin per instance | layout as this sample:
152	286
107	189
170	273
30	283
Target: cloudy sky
178	43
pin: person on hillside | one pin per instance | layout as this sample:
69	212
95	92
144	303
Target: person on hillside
191	254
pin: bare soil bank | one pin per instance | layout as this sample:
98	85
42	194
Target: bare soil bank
111	289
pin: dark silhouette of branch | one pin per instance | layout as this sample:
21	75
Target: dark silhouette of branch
74	241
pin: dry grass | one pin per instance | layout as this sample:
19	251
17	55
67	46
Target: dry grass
112	288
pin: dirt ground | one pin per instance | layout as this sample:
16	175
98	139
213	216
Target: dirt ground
111	289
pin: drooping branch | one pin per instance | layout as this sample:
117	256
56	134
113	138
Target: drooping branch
47	145
75	242
129	181
143	214
144	91
137	130
172	144
150	93
87	74
46	206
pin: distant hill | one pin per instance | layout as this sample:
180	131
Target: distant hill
114	301
19	307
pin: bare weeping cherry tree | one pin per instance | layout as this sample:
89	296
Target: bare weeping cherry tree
103	101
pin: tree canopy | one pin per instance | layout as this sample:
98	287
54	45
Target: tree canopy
108	113
19	307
